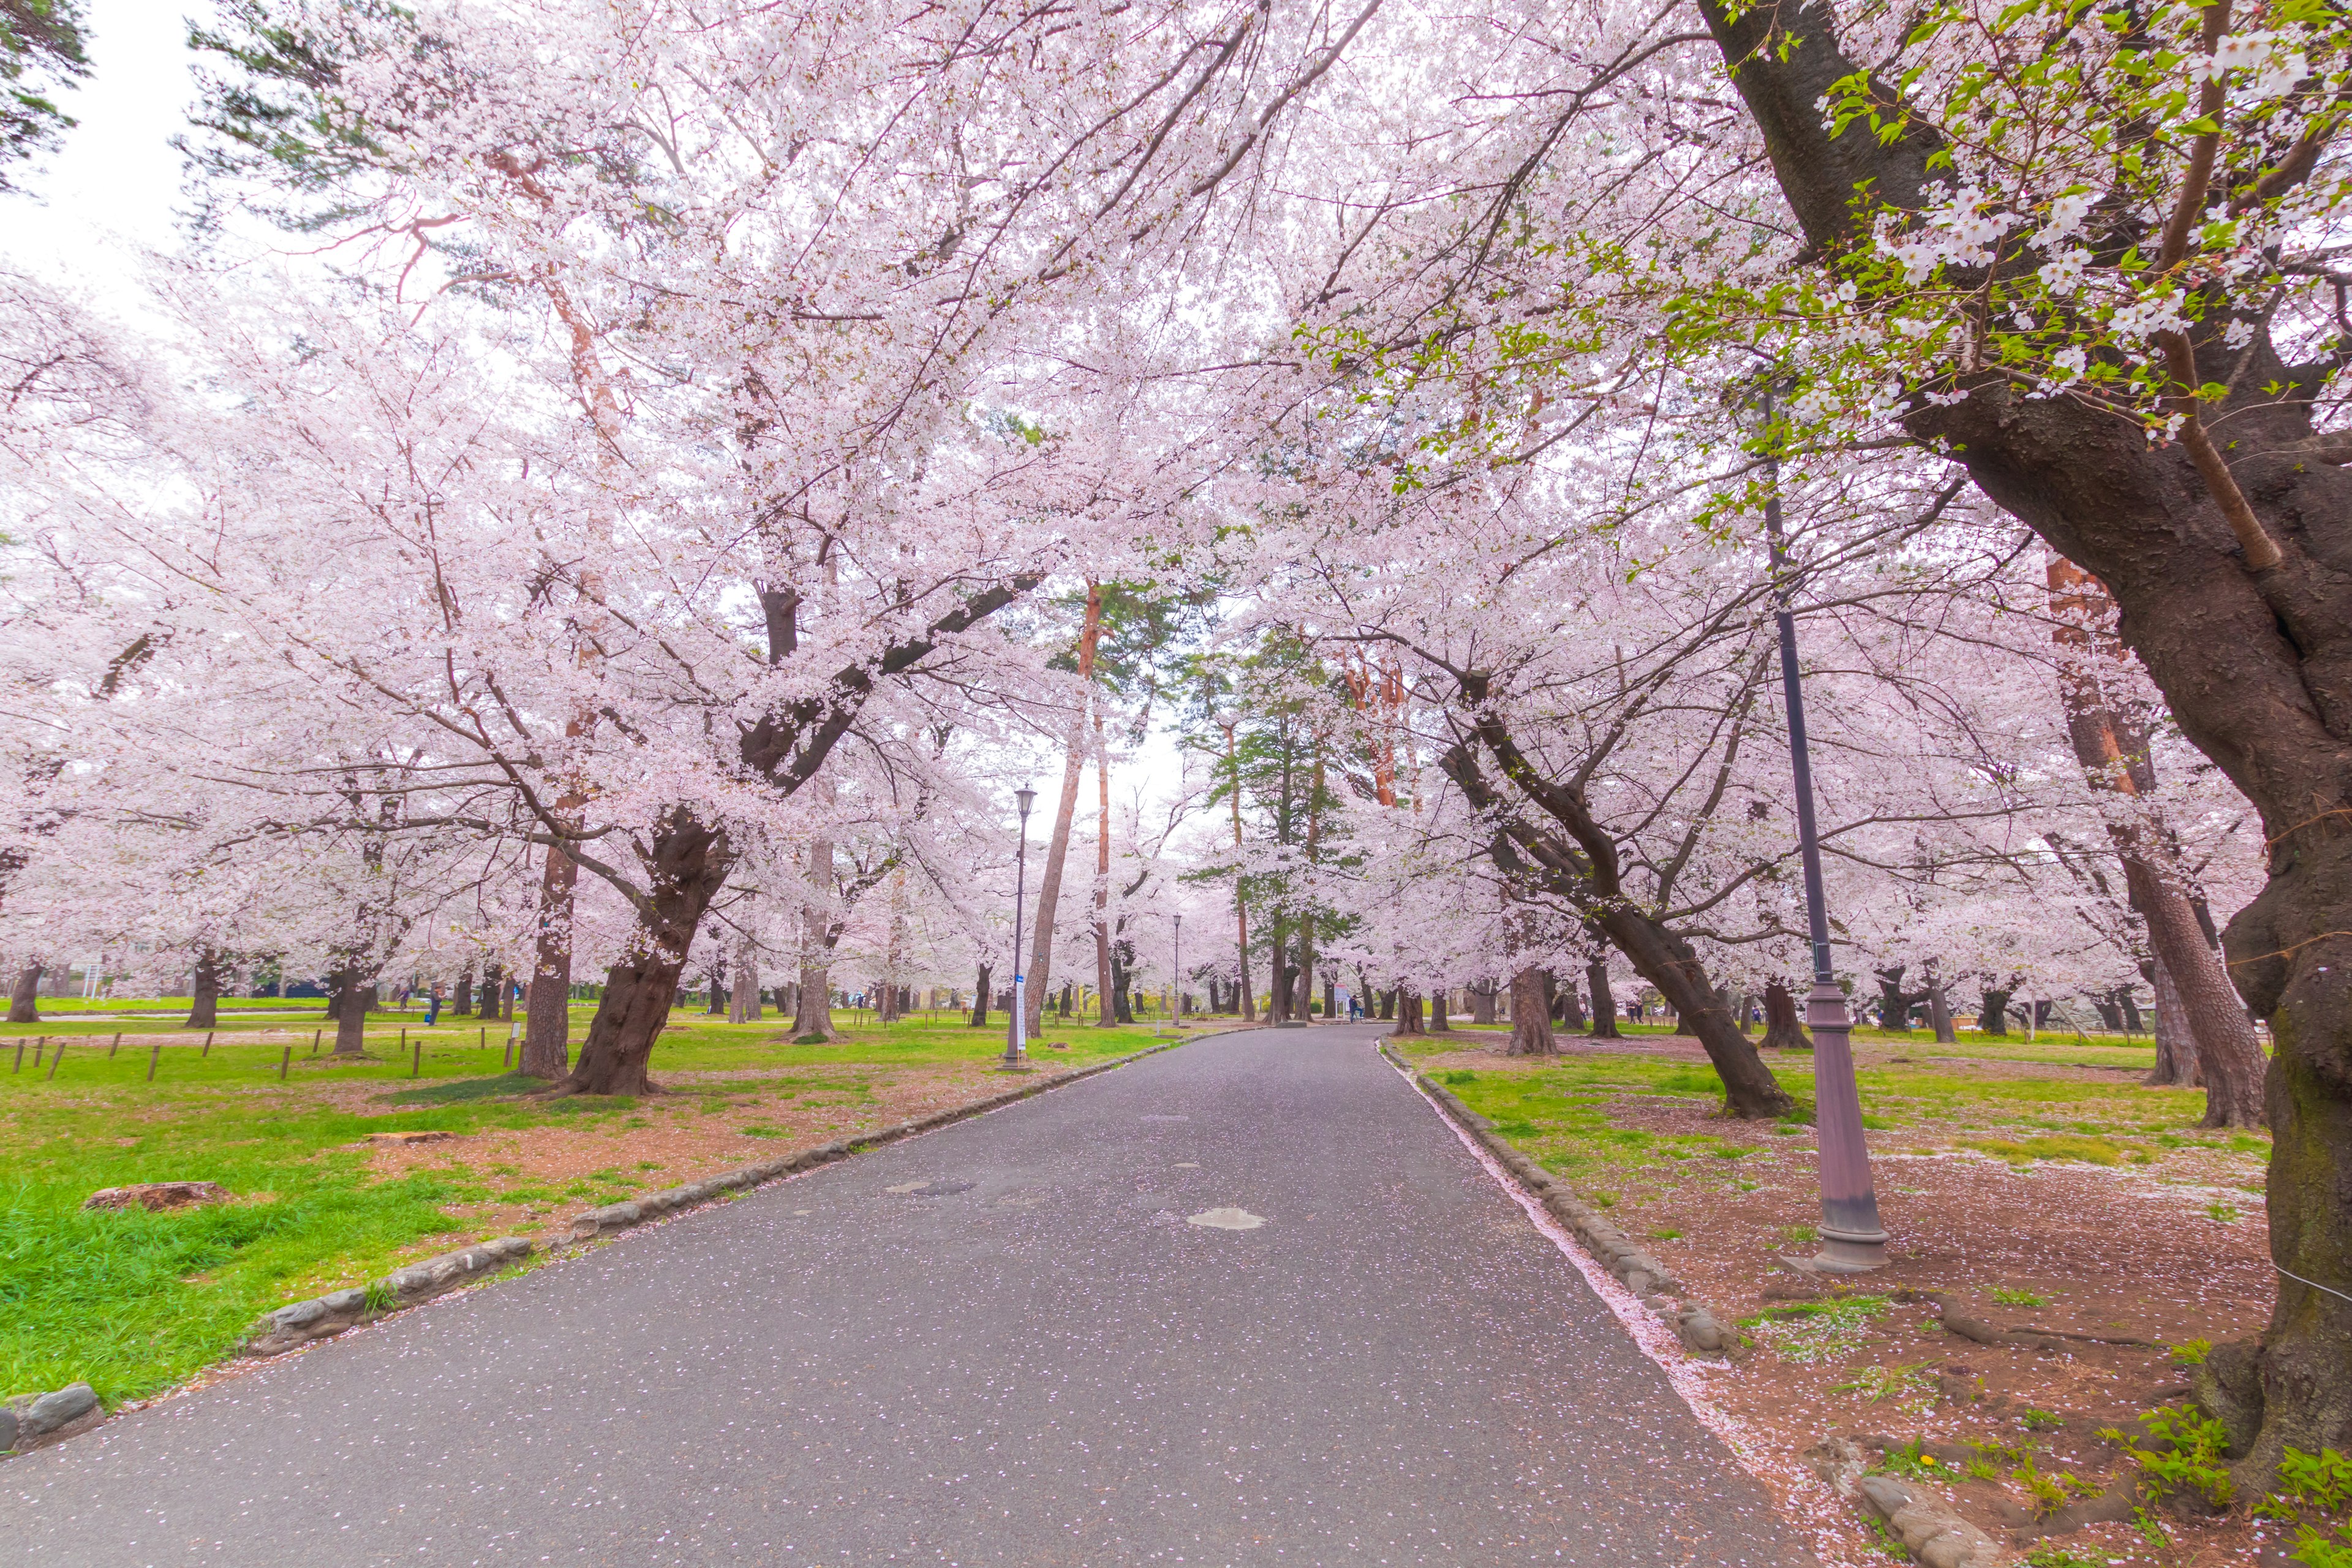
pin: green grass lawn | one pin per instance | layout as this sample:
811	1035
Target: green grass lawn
1995	1097
133	1302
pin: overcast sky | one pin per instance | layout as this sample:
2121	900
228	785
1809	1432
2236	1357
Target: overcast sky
107	194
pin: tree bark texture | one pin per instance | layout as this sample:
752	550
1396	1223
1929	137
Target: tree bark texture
1605	1002
1784	1028
2249	639
354	993
25	995
1482	1002
743	1000
547	1029
2175	1047
1408	1019
1571	1006
494	993
1438	1023
688	862
1531	1033
812	1020
203	1009
980	999
461	1004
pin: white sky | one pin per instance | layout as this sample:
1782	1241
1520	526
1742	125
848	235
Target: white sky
107	194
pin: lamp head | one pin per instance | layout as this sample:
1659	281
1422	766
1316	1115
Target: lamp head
1027	797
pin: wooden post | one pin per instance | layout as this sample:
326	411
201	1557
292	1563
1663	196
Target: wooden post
54	1057
115	1046
314	1040
403	1040
509	1064
284	1062
153	1057
417	1065
208	1046
40	1048
20	1055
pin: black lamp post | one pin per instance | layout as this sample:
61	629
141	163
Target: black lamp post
1852	1241
1016	1038
1178	1008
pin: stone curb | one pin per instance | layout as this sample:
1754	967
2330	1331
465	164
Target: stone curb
1926	1525
29	1417
275	1332
1700	1329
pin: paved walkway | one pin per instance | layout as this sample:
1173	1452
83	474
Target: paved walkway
1032	1359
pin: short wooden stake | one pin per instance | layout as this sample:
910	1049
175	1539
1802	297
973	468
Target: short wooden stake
284	1062
314	1040
208	1046
115	1046
486	1040
20	1055
54	1057
418	1065
403	1040
509	1058
153	1057
40	1045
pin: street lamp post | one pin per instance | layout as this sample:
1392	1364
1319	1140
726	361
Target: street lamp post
1179	1009
1852	1241
1016	1038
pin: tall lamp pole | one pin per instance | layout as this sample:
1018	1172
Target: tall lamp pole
1016	1038
1179	972
1852	1241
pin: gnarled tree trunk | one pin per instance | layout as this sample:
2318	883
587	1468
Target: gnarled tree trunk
25	995
462	1004
203	1009
1438	1023
1531	1033
688	863
1784	1027
980	998
354	993
2175	1047
1482	1002
547	1029
1605	1002
1408	1020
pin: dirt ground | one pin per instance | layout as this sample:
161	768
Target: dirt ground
2151	1256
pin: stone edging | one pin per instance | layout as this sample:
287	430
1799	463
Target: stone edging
1645	1277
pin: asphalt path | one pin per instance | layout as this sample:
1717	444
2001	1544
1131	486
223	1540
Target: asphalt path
1002	1342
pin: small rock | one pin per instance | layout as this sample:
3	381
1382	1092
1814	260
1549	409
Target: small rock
1928	1527
1837	1462
1702	1333
8	1422
1662	1305
51	1411
402	1139
157	1195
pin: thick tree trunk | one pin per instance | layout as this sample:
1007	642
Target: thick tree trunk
25	995
980	998
1571	1005
1531	1033
204	1010
1438	1024
743	1000
1939	1013
689	865
354	992
1992	1015
2175	1047
1482	1002
1388	1006
2227	1051
462	1004
494	994
1409	1014
1784	1029
2244	625
812	1019
1605	1003
547	1029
